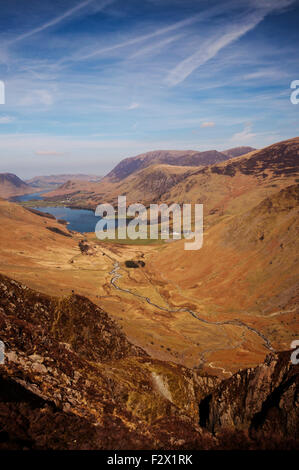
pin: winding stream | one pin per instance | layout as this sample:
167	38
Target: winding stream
116	276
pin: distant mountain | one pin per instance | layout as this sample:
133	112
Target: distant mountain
11	185
53	181
237	151
142	178
144	185
170	157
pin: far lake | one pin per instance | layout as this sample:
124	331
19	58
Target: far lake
80	220
29	197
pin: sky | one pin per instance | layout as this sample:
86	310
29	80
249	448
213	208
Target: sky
88	83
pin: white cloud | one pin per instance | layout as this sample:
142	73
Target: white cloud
134	106
265	73
157	46
158	32
57	20
222	38
6	119
37	97
208	50
208	124
244	136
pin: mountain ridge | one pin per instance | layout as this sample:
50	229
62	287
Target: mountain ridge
130	175
130	165
11	185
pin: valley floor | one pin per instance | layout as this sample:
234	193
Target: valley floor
154	312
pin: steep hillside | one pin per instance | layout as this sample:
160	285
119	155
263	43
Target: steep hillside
247	270
32	243
260	400
147	185
71	386
11	185
67	361
240	183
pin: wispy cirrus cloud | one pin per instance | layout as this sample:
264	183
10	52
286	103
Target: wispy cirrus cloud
195	18
92	80
137	39
158	46
209	49
225	35
244	136
265	73
37	97
58	19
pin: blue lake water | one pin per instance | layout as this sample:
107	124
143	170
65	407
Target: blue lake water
80	220
29	197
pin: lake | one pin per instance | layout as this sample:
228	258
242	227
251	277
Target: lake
80	220
29	197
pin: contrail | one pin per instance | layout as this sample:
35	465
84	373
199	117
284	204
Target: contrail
57	20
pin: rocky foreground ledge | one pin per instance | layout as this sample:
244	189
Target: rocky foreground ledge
72	380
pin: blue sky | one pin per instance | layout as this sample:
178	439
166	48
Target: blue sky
91	82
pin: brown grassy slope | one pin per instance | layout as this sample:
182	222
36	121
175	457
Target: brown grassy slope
11	185
22	228
32	244
248	263
234	186
248	270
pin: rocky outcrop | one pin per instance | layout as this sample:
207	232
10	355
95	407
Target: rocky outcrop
72	380
261	400
74	321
